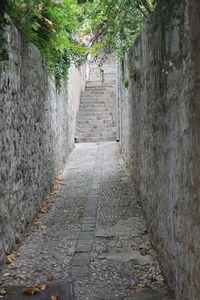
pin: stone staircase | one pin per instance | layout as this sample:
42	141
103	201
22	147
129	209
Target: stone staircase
96	117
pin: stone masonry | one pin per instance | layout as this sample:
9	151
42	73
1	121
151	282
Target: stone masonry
92	234
37	126
96	119
161	137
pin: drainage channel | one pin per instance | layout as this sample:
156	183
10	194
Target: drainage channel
81	260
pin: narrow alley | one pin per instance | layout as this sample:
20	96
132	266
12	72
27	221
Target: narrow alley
99	150
91	233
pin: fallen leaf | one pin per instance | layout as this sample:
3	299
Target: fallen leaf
54	297
29	290
39	219
3	292
41	252
54	193
23	266
41	286
59	179
10	258
124	215
45	208
144	251
56	186
50	277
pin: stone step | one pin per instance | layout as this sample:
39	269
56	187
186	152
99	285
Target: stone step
88	123
92	93
97	115
95	121
95	88
107	72
106	68
94	139
107	76
96	96
92	110
96	130
97	84
90	101
98	91
102	80
85	105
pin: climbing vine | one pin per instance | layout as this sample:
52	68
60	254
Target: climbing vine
53	27
114	24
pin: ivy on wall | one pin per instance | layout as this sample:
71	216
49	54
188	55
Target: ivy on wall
51	25
114	24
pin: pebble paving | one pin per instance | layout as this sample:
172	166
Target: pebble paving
93	234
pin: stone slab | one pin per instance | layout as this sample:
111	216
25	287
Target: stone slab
84	246
125	256
88	227
120	229
80	271
86	236
81	259
151	294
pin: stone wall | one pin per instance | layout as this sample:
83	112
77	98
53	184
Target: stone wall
36	134
161	136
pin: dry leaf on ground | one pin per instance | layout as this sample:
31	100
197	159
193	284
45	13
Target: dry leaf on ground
54	193
3	292
41	286
54	297
144	251
59	179
45	208
30	290
10	258
50	277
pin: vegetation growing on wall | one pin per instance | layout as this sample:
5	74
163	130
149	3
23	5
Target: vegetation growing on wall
52	26
114	24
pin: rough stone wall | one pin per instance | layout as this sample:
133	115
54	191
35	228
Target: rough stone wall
161	137
36	135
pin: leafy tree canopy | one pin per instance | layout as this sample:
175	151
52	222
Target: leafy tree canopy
114	24
51	25
61	28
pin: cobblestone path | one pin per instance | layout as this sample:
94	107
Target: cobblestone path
91	233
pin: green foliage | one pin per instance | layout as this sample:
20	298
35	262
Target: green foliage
51	26
133	73
115	23
3	52
126	83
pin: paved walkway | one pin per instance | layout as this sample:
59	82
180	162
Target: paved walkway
91	232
